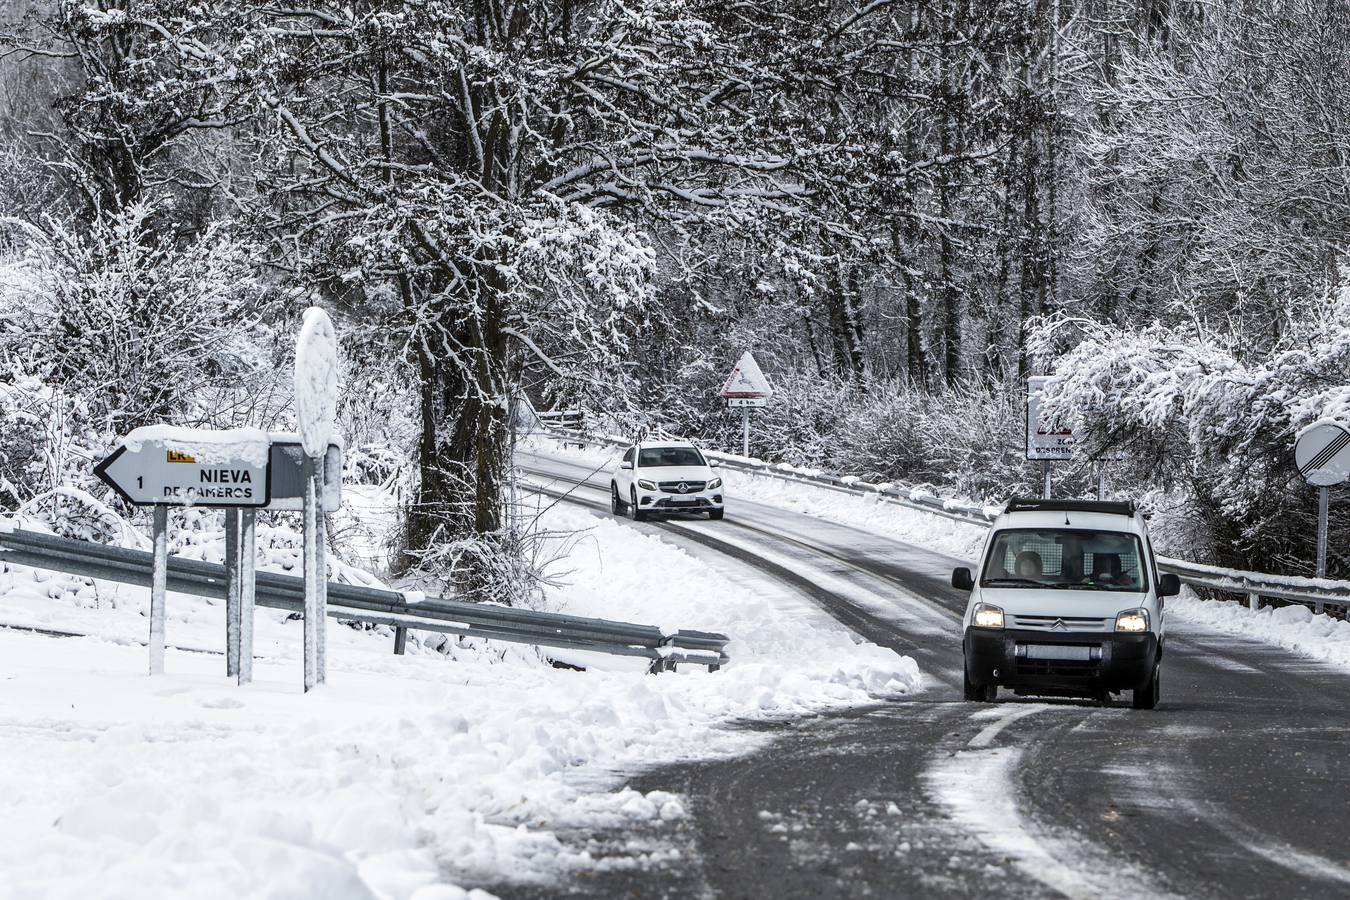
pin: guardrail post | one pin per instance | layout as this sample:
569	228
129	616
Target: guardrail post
1253	600
159	581
248	588
400	640
232	593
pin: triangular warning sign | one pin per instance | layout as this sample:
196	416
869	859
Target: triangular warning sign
746	380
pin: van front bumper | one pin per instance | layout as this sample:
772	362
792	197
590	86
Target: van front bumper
1077	663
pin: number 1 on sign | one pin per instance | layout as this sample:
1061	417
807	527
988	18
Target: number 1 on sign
140	481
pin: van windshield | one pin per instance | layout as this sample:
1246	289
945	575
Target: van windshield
1065	558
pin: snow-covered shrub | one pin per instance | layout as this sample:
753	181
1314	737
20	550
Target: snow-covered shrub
136	323
1203	418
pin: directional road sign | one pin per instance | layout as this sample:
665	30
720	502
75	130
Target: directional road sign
160	472
1044	442
1322	453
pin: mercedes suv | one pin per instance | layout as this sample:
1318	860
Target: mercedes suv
665	477
1068	602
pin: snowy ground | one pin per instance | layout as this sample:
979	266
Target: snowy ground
1295	628
404	776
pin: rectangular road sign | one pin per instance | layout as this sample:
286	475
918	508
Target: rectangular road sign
158	471
742	402
184	467
1042	442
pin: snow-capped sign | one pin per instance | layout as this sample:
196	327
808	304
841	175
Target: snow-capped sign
316	379
1044	442
1322	453
746	380
165	466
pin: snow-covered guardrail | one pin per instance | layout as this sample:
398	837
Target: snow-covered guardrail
1313	592
380	607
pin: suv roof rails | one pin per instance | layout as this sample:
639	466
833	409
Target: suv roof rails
1110	507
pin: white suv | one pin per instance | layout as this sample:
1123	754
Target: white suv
1068	602
665	477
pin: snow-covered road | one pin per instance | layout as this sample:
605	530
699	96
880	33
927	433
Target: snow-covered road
847	770
1234	788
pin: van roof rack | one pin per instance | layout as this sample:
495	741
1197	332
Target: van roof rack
1109	507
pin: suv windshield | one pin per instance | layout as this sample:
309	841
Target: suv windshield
655	457
1065	558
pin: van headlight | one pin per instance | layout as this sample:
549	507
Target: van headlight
714	484
1132	621
646	485
987	616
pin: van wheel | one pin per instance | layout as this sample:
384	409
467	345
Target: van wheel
978	693
616	506
634	510
1146	696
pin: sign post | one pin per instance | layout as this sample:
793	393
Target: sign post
241	471
1042	443
248	585
316	370
746	388
232	593
159	585
1322	454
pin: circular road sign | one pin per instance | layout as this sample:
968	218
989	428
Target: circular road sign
1322	453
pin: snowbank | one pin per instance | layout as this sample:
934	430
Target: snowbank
1295	628
404	776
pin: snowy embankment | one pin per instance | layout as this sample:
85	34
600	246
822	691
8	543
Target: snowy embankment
1295	628
404	776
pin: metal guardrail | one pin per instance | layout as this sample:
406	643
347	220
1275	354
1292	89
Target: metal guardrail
379	607
1252	585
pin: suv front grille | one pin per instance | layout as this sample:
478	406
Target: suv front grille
1071	623
673	487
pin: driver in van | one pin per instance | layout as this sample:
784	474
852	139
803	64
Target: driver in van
1028	565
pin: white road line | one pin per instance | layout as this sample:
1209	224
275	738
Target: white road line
991	731
977	788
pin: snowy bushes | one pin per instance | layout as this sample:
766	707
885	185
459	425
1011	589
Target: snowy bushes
135	322
1199	416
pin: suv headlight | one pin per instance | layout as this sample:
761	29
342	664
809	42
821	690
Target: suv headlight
987	616
714	484
646	485
1132	621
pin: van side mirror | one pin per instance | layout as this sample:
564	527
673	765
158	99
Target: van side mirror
1169	585
626	465
961	579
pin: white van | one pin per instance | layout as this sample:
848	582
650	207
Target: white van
1068	602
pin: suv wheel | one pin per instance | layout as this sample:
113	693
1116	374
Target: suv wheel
616	506
715	514
633	509
1146	695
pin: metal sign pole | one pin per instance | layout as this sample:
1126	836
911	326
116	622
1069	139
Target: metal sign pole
159	584
321	571
312	623
247	593
232	593
1323	502
1045	479
745	432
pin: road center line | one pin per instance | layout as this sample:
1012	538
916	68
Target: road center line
991	731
